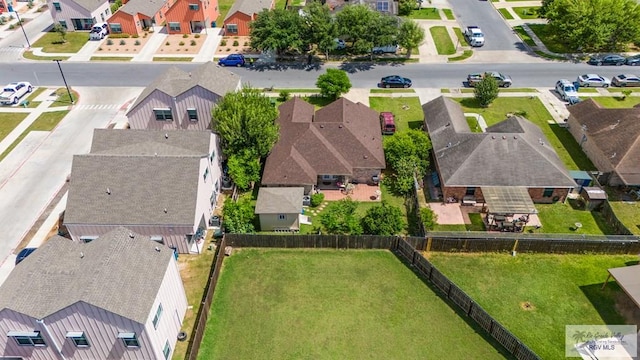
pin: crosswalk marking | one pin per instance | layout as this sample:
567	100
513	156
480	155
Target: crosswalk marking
97	106
11	49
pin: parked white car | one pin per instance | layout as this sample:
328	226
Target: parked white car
13	92
99	31
566	90
388	49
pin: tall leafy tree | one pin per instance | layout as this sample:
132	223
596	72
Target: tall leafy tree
238	216
407	153
333	83
320	27
244	168
277	30
355	22
410	36
405	7
486	90
245	119
339	217
383	219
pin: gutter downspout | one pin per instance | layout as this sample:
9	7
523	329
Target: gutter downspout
53	340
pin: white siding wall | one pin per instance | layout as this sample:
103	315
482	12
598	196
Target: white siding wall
270	222
172	235
174	307
103	10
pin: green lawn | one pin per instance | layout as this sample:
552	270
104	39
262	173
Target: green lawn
63	97
473	124
425	14
34	94
562	141
561	218
51	43
29	55
527	12
505	13
549	39
561	290
172	58
442	40
465	55
327	304
628	212
524	35
448	13
224	6
9	122
460	36
45	122
407	110
617	102
391	91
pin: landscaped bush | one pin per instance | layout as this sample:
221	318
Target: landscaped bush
122	42
119	36
223	43
197	36
193	43
167	43
184	36
42	8
109	42
246	43
317	199
137	42
135	36
30	4
284	95
235	43
12	26
181	43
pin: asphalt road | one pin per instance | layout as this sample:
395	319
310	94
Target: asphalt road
292	76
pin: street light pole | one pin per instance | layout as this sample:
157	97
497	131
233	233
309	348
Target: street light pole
21	27
65	82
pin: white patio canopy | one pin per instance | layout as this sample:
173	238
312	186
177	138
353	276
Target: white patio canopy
508	200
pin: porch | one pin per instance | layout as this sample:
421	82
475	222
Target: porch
358	192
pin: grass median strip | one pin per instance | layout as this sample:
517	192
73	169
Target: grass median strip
448	13
172	58
442	40
31	56
505	13
9	122
45	122
524	35
527	12
111	58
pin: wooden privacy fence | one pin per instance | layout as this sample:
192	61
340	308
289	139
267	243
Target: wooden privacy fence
474	311
320	241
205	304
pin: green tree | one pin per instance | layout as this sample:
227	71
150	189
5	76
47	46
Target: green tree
320	27
339	217
405	7
245	119
383	219
238	216
366	27
277	30
411	35
60	30
486	90
407	153
244	168
542	11
428	218
333	83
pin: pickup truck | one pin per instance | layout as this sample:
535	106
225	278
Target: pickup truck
503	80
474	36
12	92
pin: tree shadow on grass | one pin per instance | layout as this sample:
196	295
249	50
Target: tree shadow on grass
604	300
471	103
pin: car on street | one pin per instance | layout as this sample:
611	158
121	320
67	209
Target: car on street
624	80
388	49
566	90
232	60
593	80
340	44
474	36
13	92
633	60
607	59
23	254
502	80
387	123
395	81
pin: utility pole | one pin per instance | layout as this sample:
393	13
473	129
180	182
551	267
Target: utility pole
21	27
65	82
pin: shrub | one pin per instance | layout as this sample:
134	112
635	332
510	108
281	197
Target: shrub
184	36
235	43
223	43
30	4
428	218
135	36
11	17
181	43
284	95
137	42
122	42
109	42
12	26
246	43
486	91
167	43
119	36
193	43
317	199
197	36
100	49
227	49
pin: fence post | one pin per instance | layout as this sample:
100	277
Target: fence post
413	257
515	246
470	308
429	241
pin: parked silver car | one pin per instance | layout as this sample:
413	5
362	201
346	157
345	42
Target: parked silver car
593	80
623	80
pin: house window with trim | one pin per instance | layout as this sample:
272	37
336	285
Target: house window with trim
156	318
56	5
129	339
382	6
166	351
79	338
192	114
63	23
194	7
116	28
163	114
27	338
232	28
547	192
470	191
174	26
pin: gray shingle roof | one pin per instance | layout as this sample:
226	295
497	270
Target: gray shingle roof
279	200
150	142
175	81
145	7
248	7
514	152
115	272
338	138
90	5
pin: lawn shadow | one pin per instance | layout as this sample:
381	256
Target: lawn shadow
479	330
573	148
471	103
632	262
603	300
603	224
416	125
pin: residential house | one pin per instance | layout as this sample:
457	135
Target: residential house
137	15
4	6
279	209
340	143
611	140
160	184
191	16
117	297
182	100
510	158
79	14
242	13
383	6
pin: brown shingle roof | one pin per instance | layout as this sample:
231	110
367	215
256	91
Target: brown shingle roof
336	139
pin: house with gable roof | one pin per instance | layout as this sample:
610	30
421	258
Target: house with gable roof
137	15
611	140
182	100
242	13
512	160
340	143
117	297
160	184
79	14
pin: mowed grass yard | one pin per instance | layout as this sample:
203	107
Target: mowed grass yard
561	289
407	110
327	304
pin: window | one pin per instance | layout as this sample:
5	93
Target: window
56	5
174	26
206	173
27	338
547	192
157	238
63	23
129	339
470	191
156	318
163	114
282	216
79	338
192	113
167	350
232	28
193	7
116	28
382	6
102	17
212	156
87	239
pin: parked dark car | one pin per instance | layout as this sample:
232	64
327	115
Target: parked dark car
232	60
608	59
395	81
624	80
23	254
633	60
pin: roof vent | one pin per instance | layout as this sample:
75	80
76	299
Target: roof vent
504	137
365	156
81	255
108	191
131	235
340	126
493	136
166	135
515	137
321	126
165	210
614	155
155	154
448	124
157	249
